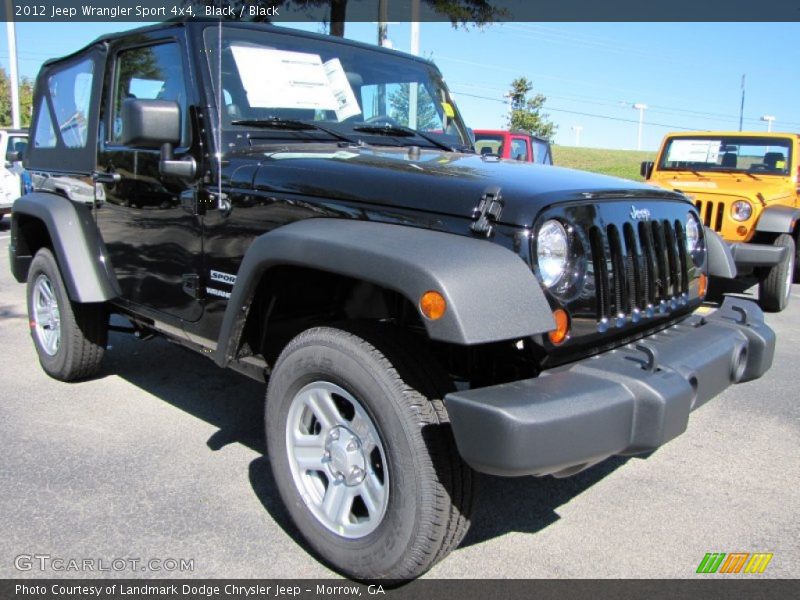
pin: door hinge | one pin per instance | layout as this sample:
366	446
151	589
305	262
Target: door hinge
192	286
487	213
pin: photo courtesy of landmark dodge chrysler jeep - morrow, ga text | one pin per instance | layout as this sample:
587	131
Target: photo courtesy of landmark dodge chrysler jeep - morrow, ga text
746	187
309	211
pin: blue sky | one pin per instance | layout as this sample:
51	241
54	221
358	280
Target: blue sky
689	74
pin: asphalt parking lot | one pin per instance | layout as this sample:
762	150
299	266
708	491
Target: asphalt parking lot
161	456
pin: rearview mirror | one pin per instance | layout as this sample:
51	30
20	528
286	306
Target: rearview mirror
150	123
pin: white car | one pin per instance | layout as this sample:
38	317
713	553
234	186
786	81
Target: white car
14	141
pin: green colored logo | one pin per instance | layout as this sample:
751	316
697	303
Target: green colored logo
734	562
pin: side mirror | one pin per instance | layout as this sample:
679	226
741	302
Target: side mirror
13	156
646	169
156	124
150	123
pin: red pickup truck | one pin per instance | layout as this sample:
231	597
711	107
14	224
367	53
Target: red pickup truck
516	145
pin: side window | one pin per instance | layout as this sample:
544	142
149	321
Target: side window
149	73
16	144
44	134
541	153
70	91
519	149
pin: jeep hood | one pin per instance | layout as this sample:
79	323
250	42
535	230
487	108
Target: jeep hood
425	180
736	185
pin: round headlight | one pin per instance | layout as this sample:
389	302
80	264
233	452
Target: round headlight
552	252
692	233
741	210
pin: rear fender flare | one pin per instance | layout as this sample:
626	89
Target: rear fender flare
78	248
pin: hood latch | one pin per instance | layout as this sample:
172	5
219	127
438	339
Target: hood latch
487	213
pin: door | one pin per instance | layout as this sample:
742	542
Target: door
520	149
155	245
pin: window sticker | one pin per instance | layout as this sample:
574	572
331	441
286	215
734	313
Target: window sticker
281	79
347	105
698	151
448	110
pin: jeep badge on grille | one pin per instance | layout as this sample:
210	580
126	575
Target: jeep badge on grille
639	214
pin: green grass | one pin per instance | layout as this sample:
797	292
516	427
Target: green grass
619	163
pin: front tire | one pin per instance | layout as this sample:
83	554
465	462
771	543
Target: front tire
774	289
69	337
362	453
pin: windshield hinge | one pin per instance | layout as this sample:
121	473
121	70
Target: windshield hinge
487	213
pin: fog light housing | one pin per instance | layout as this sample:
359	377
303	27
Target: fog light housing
561	332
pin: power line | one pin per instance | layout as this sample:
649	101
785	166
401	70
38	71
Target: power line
585	114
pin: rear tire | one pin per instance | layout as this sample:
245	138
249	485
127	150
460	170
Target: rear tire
425	487
70	338
774	290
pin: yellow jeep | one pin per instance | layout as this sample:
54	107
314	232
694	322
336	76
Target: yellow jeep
746	187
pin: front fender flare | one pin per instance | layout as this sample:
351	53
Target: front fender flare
491	294
78	248
778	219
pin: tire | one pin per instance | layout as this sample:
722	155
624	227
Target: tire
774	289
69	337
797	257
424	508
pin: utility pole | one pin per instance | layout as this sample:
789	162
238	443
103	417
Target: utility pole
741	108
769	119
577	129
641	108
412	87
383	25
11	29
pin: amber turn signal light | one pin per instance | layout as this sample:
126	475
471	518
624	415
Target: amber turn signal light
561	332
432	305
702	285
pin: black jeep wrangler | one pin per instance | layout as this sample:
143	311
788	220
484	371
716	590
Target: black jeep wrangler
309	211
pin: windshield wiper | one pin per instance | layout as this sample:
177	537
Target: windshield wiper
291	125
737	171
402	131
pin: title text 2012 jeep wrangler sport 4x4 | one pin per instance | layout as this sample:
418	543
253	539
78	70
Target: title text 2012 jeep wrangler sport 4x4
268	198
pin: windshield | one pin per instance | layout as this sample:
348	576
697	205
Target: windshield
768	156
277	83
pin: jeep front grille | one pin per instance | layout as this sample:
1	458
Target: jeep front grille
639	268
711	213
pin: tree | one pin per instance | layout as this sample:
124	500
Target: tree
427	118
460	13
25	100
526	112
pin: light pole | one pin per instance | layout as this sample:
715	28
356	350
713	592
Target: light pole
577	129
12	67
412	87
641	108
769	119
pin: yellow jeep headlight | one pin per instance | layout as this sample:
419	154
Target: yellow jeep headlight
741	210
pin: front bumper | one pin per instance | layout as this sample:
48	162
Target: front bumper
757	255
627	401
